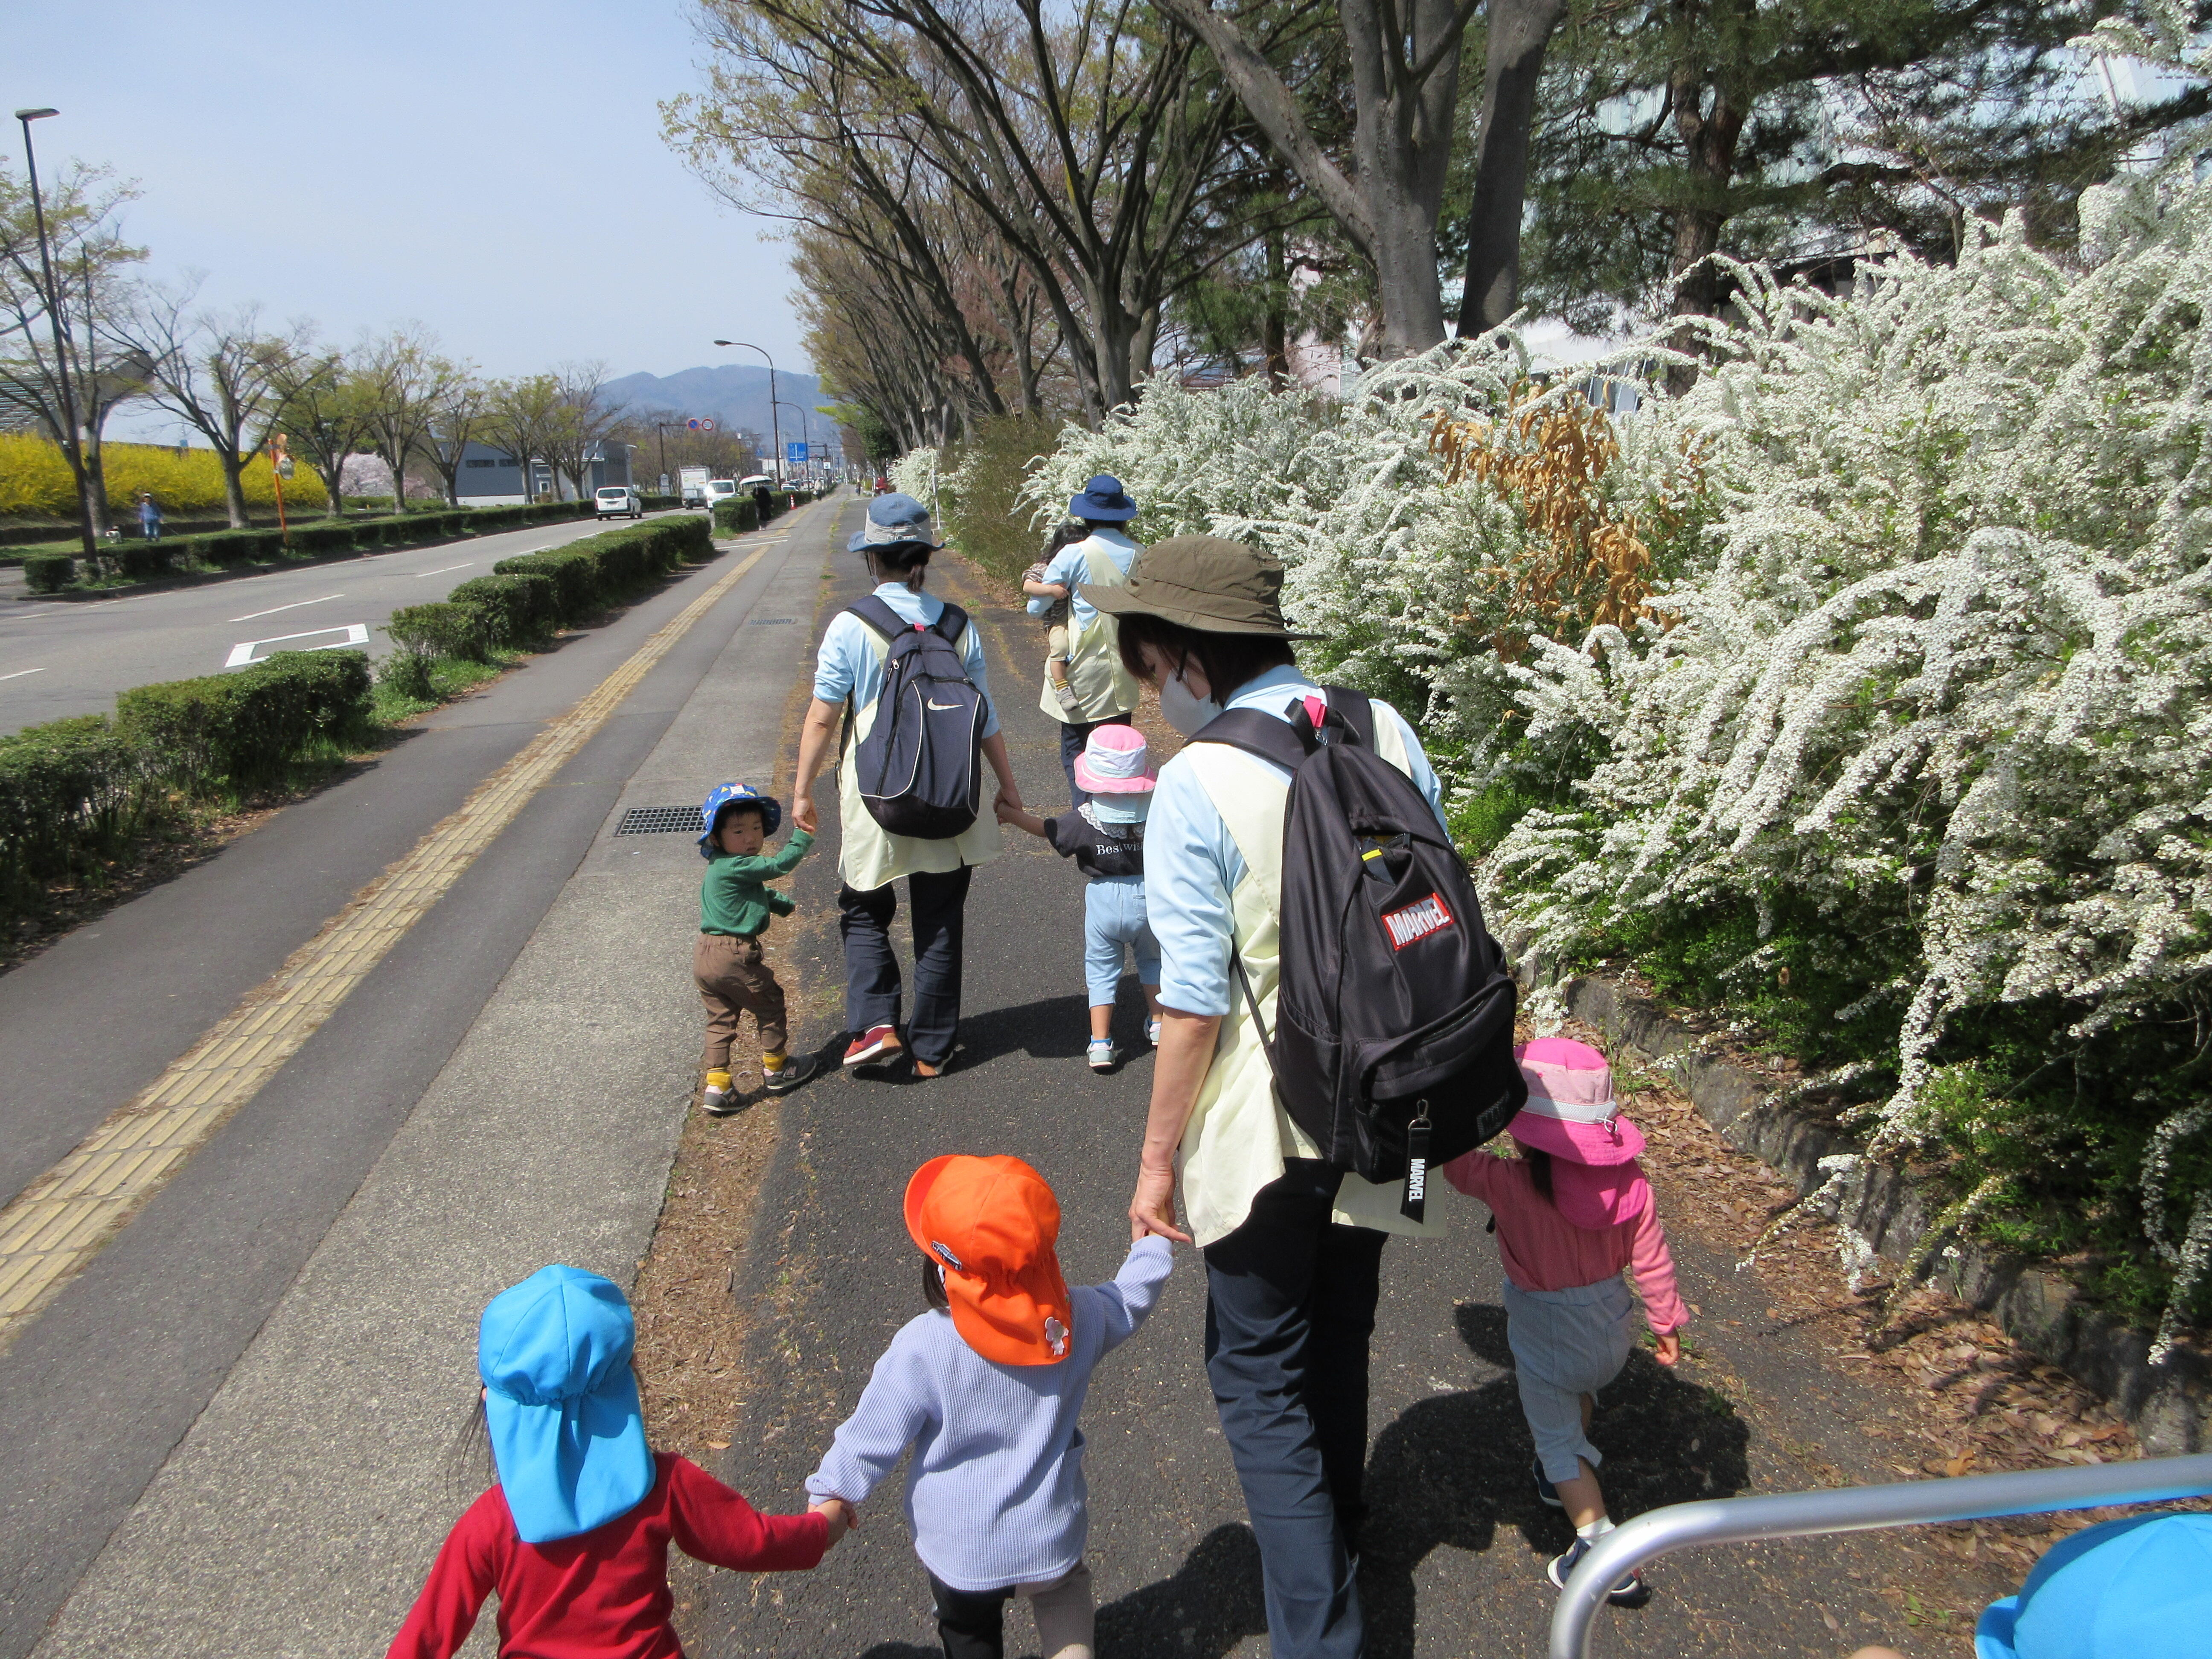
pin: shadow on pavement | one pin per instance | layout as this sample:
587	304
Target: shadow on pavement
1056	1027
1213	1602
1454	1469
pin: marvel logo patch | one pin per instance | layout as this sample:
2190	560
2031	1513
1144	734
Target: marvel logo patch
1416	922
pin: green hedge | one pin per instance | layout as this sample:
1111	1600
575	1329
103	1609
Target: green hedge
736	516
71	792
49	573
516	608
441	629
590	574
231	732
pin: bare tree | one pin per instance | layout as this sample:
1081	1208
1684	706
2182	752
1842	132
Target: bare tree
327	412
218	370
39	383
1404	57
582	418
456	423
406	380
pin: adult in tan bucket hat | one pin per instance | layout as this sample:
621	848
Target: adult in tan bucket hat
1293	1245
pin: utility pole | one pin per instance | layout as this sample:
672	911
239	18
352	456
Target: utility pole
72	440
775	432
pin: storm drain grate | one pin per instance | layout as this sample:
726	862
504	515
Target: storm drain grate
659	821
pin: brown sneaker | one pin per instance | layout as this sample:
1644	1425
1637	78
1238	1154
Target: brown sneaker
880	1045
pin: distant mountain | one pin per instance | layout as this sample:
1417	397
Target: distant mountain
733	395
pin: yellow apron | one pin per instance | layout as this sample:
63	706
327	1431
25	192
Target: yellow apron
1103	688
871	856
1239	1134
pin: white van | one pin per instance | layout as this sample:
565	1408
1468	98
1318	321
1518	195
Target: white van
618	501
720	490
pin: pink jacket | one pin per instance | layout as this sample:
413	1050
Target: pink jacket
1544	1251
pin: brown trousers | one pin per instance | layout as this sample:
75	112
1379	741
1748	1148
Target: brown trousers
732	980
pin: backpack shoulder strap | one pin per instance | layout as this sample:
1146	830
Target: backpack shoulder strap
1357	709
1255	734
878	616
951	621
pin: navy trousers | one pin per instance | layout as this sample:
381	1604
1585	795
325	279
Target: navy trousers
1290	1309
1071	739
936	913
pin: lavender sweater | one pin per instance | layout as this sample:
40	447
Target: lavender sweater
996	1494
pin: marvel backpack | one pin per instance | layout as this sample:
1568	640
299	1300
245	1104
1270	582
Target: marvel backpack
1393	1045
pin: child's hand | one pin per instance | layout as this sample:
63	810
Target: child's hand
842	1516
1669	1348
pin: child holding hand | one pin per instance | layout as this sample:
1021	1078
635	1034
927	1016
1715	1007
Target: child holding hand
986	1388
574	1536
1572	1211
1105	836
736	906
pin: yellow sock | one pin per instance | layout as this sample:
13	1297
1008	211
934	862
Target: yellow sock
718	1079
773	1061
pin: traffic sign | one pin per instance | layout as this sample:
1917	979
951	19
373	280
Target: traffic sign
794	454
695	425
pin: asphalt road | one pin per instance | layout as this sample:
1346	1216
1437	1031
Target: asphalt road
63	657
502	1090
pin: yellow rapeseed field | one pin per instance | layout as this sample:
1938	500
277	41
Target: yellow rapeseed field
35	482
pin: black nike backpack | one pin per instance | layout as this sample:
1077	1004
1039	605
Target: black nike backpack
1394	1016
921	766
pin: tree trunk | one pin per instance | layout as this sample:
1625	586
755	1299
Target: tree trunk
233	488
95	486
1520	30
1275	321
333	479
1709	142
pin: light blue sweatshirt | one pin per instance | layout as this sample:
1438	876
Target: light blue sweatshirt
994	1495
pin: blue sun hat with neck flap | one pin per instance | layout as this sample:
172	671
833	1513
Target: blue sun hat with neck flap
1103	500
726	795
893	519
553	1353
2127	1589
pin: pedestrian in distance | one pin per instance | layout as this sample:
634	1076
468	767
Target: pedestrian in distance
867	648
1092	686
1292	1241
1105	836
1572	1211
574	1534
736	906
150	517
986	1386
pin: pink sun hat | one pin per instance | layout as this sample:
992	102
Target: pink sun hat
1115	761
1571	1113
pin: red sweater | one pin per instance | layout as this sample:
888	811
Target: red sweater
603	1593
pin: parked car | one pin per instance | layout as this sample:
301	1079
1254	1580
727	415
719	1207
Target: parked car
619	502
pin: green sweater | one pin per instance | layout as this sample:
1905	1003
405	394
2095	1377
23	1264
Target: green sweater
735	899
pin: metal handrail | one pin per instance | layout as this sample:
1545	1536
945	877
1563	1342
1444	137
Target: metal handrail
1856	1509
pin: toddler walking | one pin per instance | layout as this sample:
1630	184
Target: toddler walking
735	908
1105	836
987	1387
574	1536
1572	1211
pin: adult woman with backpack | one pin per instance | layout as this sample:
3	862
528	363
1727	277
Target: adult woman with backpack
1097	689
1255	1104
907	670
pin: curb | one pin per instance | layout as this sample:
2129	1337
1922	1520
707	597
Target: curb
2169	1406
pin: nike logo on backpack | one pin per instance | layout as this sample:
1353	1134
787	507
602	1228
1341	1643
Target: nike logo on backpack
953	707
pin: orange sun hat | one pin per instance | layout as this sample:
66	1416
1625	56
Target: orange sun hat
991	1223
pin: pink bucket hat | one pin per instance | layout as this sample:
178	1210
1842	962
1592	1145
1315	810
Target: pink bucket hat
1115	761
1571	1112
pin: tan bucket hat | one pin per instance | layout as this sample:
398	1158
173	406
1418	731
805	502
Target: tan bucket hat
1205	582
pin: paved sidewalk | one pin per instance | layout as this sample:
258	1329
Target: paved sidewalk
301	1509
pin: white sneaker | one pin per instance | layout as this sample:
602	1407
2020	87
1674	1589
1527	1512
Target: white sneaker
1152	1030
1103	1055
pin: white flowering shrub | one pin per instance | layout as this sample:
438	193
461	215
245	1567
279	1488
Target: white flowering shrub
914	474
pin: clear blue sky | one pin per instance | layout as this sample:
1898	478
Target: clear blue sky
491	168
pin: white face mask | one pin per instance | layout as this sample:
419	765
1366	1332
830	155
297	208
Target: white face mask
1188	714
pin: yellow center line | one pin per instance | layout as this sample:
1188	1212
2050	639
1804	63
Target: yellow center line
63	1218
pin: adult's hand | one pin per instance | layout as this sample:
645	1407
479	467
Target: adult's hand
1151	1207
814	738
804	816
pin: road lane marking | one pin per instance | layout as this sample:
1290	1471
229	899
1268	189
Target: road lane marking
20	672
63	1218
449	570
355	634
294	605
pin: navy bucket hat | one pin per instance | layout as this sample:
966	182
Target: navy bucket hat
561	1400
734	794
1103	501
893	519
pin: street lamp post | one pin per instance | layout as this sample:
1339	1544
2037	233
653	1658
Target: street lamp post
72	444
775	432
806	435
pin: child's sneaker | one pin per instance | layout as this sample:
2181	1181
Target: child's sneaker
879	1045
1068	700
1152	1030
1629	1592
1103	1055
794	1071
721	1098
1545	1490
